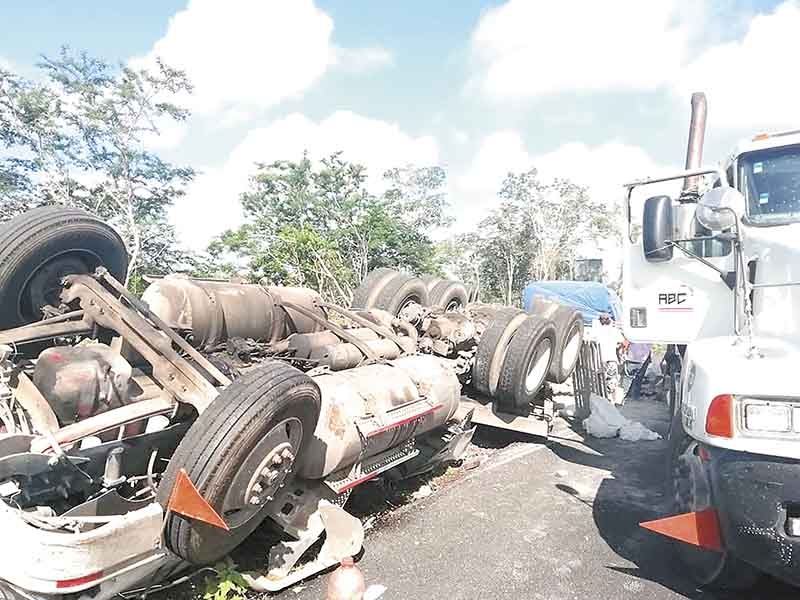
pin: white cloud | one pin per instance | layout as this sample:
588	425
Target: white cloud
249	52
211	204
529	49
360	60
526	49
244	56
751	82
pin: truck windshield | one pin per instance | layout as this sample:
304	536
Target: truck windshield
770	181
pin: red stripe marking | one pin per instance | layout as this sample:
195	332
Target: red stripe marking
358	481
386	428
69	583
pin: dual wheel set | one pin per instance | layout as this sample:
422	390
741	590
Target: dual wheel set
392	291
518	352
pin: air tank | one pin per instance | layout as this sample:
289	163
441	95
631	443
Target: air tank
215	311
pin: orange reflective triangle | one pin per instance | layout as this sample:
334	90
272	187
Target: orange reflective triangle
187	501
695	528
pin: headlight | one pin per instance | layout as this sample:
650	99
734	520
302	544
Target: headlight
762	417
769	418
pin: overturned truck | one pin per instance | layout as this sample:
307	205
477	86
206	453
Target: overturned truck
143	436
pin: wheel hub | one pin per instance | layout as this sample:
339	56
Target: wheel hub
270	474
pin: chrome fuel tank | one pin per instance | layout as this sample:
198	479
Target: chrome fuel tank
373	408
215	311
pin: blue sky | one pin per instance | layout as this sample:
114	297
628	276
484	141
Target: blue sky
595	91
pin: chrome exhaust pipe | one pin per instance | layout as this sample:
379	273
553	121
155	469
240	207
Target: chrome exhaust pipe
694	148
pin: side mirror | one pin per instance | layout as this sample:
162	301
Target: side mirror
657	229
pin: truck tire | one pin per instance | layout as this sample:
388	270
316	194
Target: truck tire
430	281
367	292
526	365
569	337
399	292
43	245
226	451
714	570
492	348
448	295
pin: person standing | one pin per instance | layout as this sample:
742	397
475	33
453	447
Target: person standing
638	354
610	339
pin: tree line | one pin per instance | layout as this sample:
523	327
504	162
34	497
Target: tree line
78	135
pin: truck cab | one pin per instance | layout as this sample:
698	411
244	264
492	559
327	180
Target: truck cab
713	272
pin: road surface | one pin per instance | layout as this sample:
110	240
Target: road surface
546	522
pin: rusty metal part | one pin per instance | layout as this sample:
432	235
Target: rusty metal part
338	357
42	417
694	147
216	311
484	412
179	377
106	421
81	381
303	345
103	274
46	329
339	331
370	409
379	329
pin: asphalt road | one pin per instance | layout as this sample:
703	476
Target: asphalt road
547	522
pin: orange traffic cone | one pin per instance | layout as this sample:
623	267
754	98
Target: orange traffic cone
346	582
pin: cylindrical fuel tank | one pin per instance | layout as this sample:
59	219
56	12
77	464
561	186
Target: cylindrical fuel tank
303	345
372	390
339	357
215	311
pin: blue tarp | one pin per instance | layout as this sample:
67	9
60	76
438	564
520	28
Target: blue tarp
589	297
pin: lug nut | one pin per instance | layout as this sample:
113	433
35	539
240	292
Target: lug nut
287	454
277	459
255	500
257	488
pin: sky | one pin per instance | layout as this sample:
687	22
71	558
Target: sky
594	91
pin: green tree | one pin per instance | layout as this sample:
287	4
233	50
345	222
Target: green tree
316	224
535	233
80	138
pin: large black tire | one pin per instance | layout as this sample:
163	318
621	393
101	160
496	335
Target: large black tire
569	337
492	348
43	245
431	281
526	364
400	291
367	293
448	295
219	444
714	570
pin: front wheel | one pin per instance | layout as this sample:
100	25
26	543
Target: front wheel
691	491
238	453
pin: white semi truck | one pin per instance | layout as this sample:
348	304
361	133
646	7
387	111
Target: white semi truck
714	272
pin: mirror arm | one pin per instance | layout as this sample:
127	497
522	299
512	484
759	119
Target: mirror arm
688	252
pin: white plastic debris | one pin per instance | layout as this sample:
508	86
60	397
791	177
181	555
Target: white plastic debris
374	592
422	492
606	421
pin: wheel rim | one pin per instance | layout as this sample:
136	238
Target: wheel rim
540	363
262	473
43	285
570	355
454	304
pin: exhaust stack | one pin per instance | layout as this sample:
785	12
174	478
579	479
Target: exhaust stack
694	149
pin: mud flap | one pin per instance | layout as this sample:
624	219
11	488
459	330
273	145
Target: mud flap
344	537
